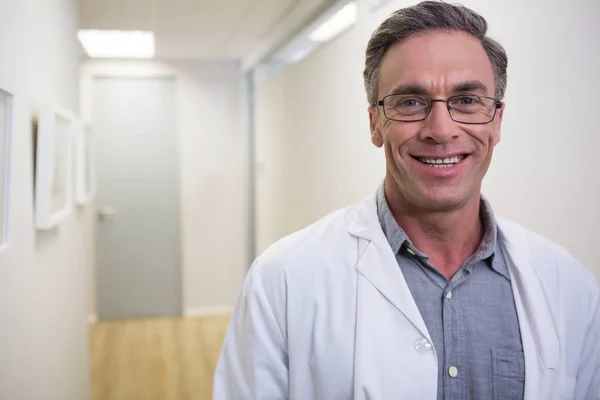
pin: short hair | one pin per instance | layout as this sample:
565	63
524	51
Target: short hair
430	16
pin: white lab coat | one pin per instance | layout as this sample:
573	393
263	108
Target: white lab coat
326	314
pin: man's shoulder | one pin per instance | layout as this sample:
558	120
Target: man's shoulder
319	236
315	245
555	266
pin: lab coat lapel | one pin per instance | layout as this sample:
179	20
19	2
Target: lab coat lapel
377	263
538	333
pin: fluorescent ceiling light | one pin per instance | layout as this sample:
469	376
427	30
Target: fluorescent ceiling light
375	4
339	22
117	44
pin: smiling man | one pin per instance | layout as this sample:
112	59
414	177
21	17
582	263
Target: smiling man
420	291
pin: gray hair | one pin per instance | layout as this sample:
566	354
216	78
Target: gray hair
430	15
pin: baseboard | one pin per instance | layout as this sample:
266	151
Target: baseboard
208	311
92	319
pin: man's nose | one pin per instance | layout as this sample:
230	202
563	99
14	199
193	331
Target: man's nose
438	126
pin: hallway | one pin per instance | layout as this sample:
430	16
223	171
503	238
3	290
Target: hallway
151	151
155	359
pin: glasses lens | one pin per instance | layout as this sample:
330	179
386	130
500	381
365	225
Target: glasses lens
402	107
472	109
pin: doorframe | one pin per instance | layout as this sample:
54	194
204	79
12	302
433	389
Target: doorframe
250	79
90	71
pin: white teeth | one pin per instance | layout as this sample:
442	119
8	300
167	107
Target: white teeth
441	161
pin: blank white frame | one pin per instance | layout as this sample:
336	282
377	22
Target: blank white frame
54	146
85	172
6	132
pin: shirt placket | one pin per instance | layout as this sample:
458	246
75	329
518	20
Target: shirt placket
455	376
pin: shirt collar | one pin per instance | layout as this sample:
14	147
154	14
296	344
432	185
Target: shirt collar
488	249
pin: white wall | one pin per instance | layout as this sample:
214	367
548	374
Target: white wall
44	334
89	234
212	137
314	148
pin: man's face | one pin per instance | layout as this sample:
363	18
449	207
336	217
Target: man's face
439	64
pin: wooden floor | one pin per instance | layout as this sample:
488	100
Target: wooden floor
159	359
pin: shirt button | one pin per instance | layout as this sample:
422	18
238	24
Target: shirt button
423	346
410	251
453	372
449	295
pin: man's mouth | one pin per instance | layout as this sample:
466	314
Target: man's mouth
441	162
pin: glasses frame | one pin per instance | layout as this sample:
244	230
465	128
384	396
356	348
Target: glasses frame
498	104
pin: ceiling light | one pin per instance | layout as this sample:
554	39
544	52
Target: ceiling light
117	44
339	22
376	4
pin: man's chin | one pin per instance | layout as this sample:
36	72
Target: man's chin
444	202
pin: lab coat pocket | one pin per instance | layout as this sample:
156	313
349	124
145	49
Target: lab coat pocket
508	374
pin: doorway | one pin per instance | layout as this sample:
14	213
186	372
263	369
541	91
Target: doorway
138	250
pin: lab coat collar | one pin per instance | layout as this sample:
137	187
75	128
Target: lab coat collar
377	263
538	330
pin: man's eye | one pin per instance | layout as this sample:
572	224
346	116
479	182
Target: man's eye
410	103
467	100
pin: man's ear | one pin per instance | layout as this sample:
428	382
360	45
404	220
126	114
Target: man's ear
376	137
498	125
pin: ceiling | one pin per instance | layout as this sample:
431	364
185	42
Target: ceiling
191	29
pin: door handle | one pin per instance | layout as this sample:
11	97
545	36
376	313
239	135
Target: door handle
106	213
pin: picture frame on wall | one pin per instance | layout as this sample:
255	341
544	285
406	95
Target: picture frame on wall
6	108
85	173
53	167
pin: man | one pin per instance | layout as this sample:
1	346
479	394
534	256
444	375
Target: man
419	292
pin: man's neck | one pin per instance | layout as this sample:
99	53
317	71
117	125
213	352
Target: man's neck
449	238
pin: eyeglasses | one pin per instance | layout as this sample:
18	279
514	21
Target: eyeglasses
464	109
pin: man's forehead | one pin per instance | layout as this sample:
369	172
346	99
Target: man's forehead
435	60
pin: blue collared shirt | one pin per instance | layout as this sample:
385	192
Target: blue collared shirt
471	318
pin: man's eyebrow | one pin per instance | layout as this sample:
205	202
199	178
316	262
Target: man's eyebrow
470	86
414	88
410	88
